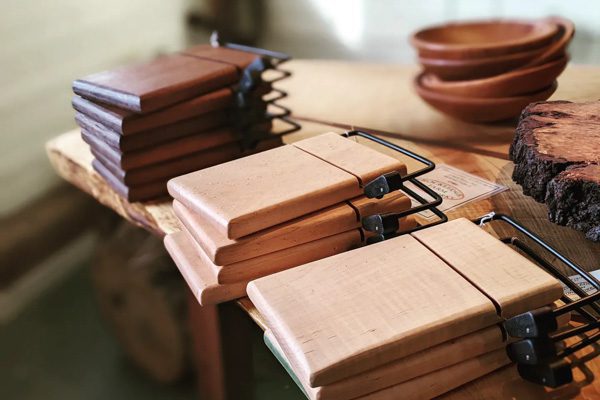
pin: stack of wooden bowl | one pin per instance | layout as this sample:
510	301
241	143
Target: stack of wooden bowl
490	70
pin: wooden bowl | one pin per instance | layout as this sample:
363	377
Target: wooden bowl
514	83
559	45
482	39
474	109
478	68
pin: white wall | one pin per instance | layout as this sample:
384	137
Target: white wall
44	45
379	29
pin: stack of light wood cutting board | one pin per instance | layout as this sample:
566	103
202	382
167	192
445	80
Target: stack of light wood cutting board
275	210
148	122
408	318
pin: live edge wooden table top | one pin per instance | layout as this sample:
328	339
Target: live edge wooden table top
380	97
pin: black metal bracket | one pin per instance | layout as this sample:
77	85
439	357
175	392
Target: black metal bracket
540	354
386	226
245	116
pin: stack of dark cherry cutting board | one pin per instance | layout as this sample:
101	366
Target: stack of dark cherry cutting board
149	122
275	210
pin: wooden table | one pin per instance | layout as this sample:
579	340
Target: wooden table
378	97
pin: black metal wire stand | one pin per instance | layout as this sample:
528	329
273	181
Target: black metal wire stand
539	351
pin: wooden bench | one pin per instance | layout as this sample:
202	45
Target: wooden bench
379	97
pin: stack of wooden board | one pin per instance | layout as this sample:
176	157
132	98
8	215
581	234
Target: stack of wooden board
275	210
149	122
411	317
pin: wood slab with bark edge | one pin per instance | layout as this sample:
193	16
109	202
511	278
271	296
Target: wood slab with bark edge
358	310
331	220
478	149
556	151
244	196
407	368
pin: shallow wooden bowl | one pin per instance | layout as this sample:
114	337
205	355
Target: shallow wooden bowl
478	68
475	109
566	31
483	39
514	83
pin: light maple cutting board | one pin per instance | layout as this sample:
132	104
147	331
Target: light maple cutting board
349	313
244	196
425	386
511	281
270	263
316	225
199	271
405	369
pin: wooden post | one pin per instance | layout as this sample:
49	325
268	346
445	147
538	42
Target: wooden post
222	350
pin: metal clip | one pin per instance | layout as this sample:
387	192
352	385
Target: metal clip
540	354
386	226
245	116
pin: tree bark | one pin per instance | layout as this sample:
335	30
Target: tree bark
556	151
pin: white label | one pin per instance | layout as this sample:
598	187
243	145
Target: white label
582	283
456	187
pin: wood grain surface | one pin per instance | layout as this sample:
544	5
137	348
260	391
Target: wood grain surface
237	58
201	281
412	375
270	263
381	98
151	137
157	84
167	169
556	151
365	164
179	147
127	122
214	284
145	191
407	368
331	220
72	159
511	281
166	80
358	310
244	196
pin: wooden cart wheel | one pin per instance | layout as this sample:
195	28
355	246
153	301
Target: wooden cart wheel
142	296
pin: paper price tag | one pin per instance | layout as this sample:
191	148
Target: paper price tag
456	187
582	283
